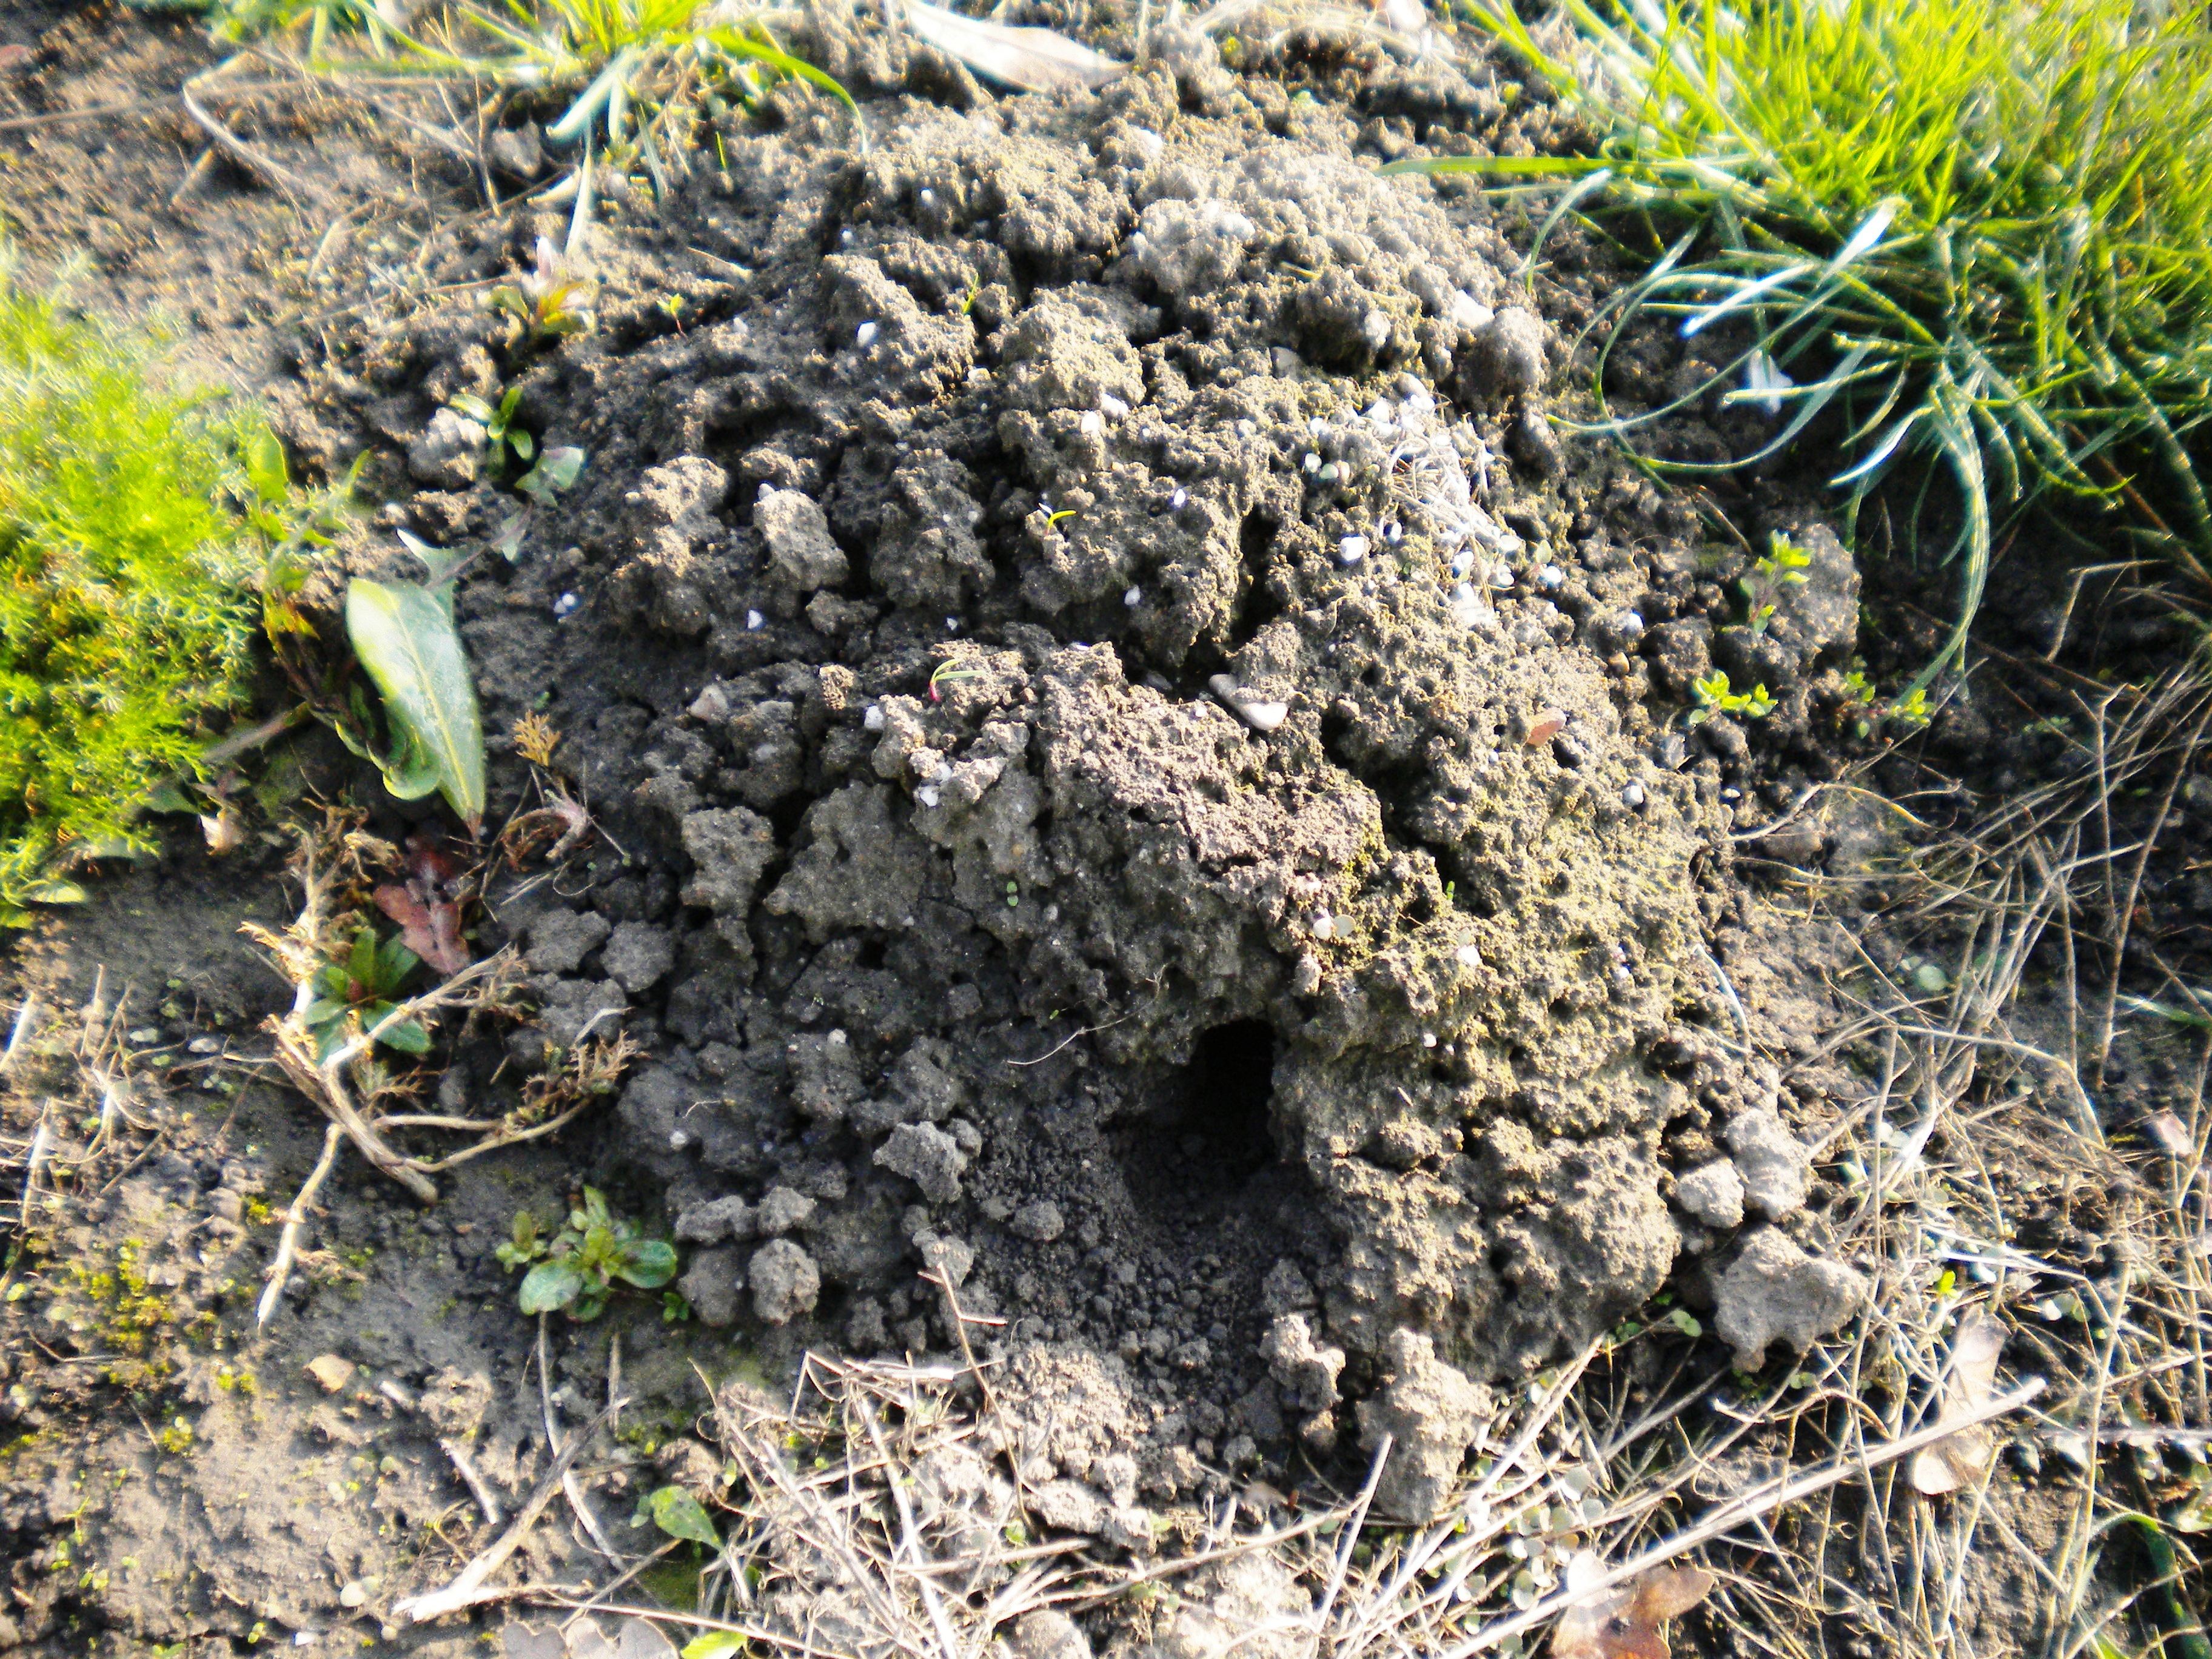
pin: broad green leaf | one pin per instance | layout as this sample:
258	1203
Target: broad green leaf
549	1286
680	1514
264	466
714	1645
51	890
405	638
409	1036
555	470
589	1305
648	1263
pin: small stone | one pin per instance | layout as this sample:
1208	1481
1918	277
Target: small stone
1048	1633
448	453
1633	795
1133	598
864	336
638	955
927	1156
1261	716
1351	549
1041	1221
1714	1194
717	1219
1068	1506
1509	359
712	1281
785	1280
782	1211
330	1373
801	553
1773	1291
1775	1170
1431	1414
560	939
1304	1371
354	1593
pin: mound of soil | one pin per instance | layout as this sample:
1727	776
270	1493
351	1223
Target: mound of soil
1142	778
1131	787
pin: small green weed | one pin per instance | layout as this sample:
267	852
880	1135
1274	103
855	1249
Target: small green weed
548	302
577	1267
127	557
1783	567
363	987
1713	697
501	435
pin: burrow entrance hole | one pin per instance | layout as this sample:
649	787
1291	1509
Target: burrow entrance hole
1211	1140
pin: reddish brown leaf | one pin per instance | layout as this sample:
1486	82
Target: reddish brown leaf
1546	726
1623	1623
430	928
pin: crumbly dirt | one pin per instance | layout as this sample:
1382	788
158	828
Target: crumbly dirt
1138	776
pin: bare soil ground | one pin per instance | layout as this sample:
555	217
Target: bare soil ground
1146	838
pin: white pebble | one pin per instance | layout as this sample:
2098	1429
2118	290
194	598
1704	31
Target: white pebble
753	621
1316	426
1468	956
1261	716
928	794
1111	406
1133	598
1353	548
677	1139
1551	579
864	336
1629	625
1632	796
1324	925
845	237
928	197
565	607
204	1045
952	624
1393	532
873	720
1092	424
1428	1039
1312	462
1176	502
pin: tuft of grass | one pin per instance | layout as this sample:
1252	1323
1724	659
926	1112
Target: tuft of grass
126	607
1981	233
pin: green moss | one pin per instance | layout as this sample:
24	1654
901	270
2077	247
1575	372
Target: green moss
125	607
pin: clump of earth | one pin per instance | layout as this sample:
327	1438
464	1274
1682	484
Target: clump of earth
1130	784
